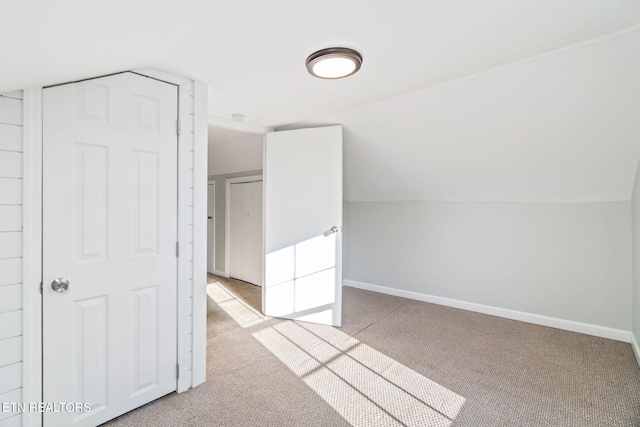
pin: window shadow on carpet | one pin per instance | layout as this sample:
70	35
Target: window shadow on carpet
363	385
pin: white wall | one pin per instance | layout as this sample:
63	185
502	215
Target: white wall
564	261
635	224
231	151
531	132
10	253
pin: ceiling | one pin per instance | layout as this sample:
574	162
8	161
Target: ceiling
535	100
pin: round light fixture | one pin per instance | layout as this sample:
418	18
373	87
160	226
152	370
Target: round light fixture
334	63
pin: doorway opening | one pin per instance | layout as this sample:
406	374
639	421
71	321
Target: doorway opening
235	237
301	243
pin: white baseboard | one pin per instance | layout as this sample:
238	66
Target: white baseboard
220	273
537	319
636	347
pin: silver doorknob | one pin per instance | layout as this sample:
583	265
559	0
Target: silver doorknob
61	284
329	232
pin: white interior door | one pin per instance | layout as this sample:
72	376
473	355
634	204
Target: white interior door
109	229
303	225
246	231
211	236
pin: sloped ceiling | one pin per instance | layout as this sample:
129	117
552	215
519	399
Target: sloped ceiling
462	100
564	127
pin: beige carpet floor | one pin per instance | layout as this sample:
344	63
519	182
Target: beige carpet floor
396	362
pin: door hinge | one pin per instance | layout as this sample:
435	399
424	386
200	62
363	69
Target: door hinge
177	371
178	127
40	288
177	249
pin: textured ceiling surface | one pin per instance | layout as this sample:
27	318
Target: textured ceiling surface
462	100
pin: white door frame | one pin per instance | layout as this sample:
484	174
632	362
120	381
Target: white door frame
192	262
227	216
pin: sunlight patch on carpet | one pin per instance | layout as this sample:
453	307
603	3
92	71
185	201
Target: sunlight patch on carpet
366	387
363	385
239	311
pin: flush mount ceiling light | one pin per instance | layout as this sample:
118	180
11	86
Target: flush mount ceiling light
334	63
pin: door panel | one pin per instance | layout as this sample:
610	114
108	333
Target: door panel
211	237
303	225
109	227
237	229
253	241
90	352
90	179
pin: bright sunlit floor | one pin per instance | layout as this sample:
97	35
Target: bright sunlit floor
396	362
363	385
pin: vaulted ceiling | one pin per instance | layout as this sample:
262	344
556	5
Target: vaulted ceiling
535	101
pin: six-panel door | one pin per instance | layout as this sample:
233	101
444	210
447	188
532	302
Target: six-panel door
109	228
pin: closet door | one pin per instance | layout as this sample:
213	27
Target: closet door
109	237
246	231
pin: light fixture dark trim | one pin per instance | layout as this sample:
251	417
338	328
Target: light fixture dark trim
334	52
